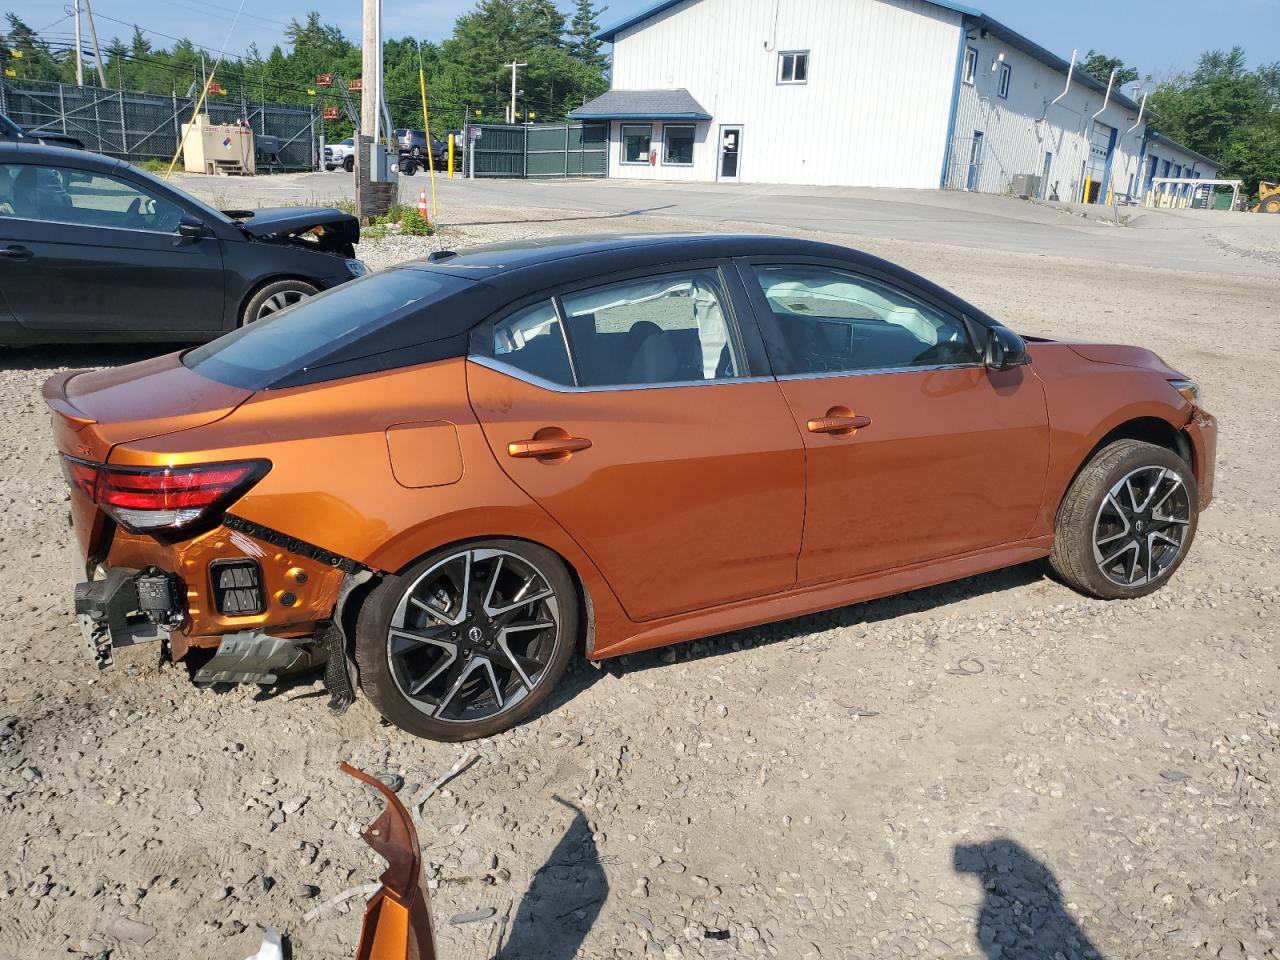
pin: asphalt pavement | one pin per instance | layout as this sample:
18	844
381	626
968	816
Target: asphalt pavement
1200	241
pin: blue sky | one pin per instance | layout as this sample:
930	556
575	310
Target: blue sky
1157	36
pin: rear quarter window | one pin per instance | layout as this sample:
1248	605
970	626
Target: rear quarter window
358	318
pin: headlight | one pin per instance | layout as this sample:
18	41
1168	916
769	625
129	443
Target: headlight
356	268
1189	389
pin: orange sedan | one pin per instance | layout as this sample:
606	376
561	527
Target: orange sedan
446	479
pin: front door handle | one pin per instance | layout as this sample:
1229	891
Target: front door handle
838	420
551	448
16	252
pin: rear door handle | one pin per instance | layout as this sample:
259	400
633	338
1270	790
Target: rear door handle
835	422
557	448
16	252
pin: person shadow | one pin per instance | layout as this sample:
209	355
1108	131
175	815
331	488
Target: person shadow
563	900
1022	915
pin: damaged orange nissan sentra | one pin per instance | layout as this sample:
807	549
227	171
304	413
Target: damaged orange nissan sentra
447	477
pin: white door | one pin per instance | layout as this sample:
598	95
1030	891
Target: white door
730	162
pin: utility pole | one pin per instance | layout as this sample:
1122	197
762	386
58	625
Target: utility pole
97	51
79	59
370	55
515	68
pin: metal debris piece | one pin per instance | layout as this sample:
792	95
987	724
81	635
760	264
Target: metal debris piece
473	916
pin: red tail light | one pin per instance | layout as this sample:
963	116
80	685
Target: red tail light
147	499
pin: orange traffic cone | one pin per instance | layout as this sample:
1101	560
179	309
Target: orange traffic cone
422	204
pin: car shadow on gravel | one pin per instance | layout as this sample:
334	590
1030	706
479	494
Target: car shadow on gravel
1022	915
584	674
563	900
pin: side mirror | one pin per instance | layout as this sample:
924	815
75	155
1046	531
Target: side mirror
191	228
1005	350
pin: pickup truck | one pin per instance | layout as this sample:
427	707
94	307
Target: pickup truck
341	154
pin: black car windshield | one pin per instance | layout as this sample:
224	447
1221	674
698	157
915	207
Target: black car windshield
261	354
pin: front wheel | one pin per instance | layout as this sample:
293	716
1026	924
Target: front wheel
1127	521
274	297
349	164
469	641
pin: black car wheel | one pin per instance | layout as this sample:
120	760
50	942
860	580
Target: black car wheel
469	641
349	164
275	297
1127	521
417	152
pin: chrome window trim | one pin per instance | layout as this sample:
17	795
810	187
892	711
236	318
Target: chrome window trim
506	369
872	371
515	372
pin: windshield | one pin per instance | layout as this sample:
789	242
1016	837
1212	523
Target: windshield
309	334
194	201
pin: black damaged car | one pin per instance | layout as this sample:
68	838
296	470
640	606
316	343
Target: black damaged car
93	249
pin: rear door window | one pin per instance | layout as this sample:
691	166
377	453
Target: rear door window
673	328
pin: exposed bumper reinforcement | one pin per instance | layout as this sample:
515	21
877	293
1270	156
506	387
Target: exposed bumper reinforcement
252	656
113	611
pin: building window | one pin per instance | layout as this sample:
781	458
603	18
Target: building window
635	142
1002	85
677	145
970	64
793	66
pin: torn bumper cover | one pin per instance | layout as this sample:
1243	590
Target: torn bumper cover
126	607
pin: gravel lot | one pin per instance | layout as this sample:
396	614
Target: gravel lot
996	767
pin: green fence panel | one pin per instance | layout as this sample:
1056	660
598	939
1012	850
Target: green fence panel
542	150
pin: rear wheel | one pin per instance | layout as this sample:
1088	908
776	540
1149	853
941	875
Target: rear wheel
1271	205
1127	522
274	297
469	641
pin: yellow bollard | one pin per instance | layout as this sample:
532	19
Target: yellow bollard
1088	188
451	156
1109	195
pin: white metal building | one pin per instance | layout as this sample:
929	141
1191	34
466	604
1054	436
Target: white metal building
891	93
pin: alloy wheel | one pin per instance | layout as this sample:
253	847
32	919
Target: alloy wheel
473	635
277	302
1141	527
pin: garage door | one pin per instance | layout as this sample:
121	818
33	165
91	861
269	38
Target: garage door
1100	151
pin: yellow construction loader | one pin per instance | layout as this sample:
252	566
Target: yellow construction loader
1268	198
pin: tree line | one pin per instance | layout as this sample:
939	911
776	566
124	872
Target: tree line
465	73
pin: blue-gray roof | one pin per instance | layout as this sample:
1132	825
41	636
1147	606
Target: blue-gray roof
642	105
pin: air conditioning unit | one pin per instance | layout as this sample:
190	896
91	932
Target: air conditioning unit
1026	185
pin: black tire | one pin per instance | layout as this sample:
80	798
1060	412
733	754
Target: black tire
276	296
349	164
1271	205
386	663
408	167
1119	509
417	152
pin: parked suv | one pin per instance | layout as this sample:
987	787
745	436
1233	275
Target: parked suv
341	154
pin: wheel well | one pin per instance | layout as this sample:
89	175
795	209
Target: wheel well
1151	430
257	288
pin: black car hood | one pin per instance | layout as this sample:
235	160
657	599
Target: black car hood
290	220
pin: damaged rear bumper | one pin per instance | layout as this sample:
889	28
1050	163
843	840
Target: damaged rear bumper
127	607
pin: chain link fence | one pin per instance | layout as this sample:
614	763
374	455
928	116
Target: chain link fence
147	126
